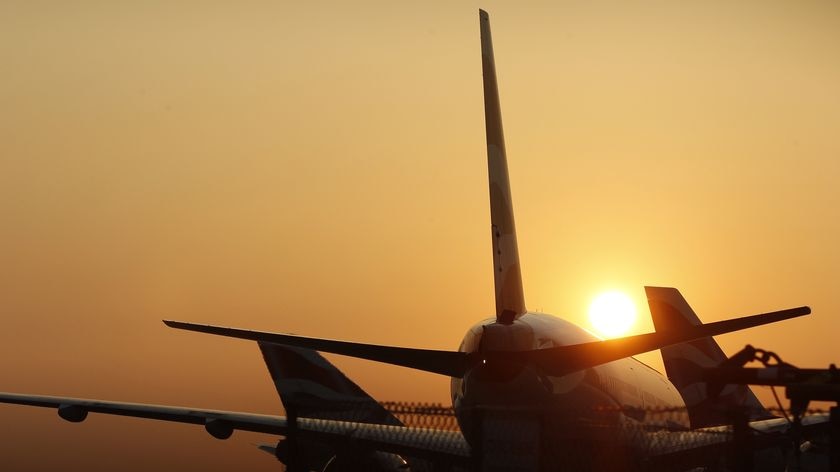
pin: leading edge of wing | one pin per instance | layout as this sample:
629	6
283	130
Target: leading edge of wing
417	442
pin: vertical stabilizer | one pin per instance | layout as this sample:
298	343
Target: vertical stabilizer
311	386
510	301
683	361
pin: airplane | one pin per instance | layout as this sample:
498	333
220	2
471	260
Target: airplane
520	370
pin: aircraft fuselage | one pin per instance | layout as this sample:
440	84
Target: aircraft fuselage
625	390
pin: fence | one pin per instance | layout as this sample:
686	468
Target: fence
621	440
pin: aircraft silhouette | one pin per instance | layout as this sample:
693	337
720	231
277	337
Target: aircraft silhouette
516	361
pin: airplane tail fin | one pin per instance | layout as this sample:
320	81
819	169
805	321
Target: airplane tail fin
683	363
310	386
507	276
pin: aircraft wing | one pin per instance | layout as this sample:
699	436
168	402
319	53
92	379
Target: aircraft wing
423	443
682	450
76	410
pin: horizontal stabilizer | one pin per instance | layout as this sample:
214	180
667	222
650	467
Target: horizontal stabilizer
563	360
557	361
451	363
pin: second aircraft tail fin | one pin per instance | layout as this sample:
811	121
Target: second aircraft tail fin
683	363
310	386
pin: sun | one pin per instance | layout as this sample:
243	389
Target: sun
612	314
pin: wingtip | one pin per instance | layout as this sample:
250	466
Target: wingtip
483	14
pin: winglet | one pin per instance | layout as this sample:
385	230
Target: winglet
510	300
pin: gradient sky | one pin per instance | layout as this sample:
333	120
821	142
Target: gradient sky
319	168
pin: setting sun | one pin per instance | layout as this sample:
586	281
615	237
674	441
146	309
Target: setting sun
612	314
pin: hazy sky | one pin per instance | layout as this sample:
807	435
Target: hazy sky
319	168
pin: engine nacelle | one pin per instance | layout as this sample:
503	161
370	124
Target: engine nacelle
219	429
373	461
308	455
72	413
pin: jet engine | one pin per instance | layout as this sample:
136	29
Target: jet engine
307	456
72	413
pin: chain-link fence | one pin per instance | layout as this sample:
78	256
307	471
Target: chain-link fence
553	439
619	440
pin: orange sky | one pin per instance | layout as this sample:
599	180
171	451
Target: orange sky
320	169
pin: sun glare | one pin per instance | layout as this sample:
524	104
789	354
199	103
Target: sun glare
612	314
